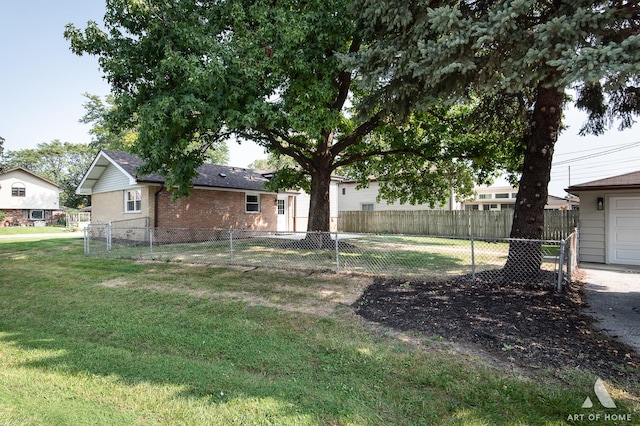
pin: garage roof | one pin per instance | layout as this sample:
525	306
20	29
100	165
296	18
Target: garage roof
625	181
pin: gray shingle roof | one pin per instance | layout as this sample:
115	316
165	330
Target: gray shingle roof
209	175
625	181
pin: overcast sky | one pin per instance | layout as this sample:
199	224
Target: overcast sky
42	82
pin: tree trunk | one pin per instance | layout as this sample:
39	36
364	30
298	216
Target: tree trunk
319	211
525	258
318	227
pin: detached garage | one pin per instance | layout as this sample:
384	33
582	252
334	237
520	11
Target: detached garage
610	219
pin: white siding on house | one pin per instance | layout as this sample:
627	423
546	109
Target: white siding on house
604	237
592	229
112	179
352	199
39	194
301	213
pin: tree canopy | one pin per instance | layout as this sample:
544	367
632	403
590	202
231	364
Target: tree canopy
422	52
272	72
106	135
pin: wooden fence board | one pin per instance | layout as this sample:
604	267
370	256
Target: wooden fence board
458	223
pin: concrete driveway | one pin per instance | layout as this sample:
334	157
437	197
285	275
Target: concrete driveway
613	294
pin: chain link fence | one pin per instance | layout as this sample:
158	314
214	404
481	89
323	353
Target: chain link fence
426	257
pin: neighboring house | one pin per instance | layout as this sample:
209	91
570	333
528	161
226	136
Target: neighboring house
222	197
610	219
293	209
559	203
27	199
366	199
492	198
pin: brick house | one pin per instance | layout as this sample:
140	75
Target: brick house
222	197
27	199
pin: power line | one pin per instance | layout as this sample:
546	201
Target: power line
599	154
593	169
595	149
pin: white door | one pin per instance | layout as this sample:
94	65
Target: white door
283	215
624	230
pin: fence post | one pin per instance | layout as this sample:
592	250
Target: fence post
473	260
337	254
569	257
108	236
561	264
231	244
150	241
86	241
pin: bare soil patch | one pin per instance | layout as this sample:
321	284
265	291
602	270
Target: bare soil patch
529	325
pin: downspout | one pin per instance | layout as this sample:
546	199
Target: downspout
155	206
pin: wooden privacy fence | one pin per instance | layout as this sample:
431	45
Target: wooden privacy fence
457	223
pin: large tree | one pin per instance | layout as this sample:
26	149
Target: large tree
61	162
268	71
424	51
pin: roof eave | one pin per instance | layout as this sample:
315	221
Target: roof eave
573	189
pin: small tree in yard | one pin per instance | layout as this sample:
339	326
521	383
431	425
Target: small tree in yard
423	51
271	72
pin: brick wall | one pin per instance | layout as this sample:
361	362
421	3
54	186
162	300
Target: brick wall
18	217
13	218
215	209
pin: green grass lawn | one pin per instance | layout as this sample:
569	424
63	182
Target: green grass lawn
99	341
29	230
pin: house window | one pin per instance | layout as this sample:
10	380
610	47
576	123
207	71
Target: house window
344	191
280	206
503	195
36	215
367	207
252	203
490	207
133	201
18	190
484	196
507	206
514	195
471	207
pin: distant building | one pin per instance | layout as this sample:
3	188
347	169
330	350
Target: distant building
492	197
499	196
27	199
366	199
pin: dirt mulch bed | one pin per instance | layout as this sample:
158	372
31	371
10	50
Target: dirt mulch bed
531	325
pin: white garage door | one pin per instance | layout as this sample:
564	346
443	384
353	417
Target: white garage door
624	230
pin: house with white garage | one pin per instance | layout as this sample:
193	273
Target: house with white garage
27	199
610	219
